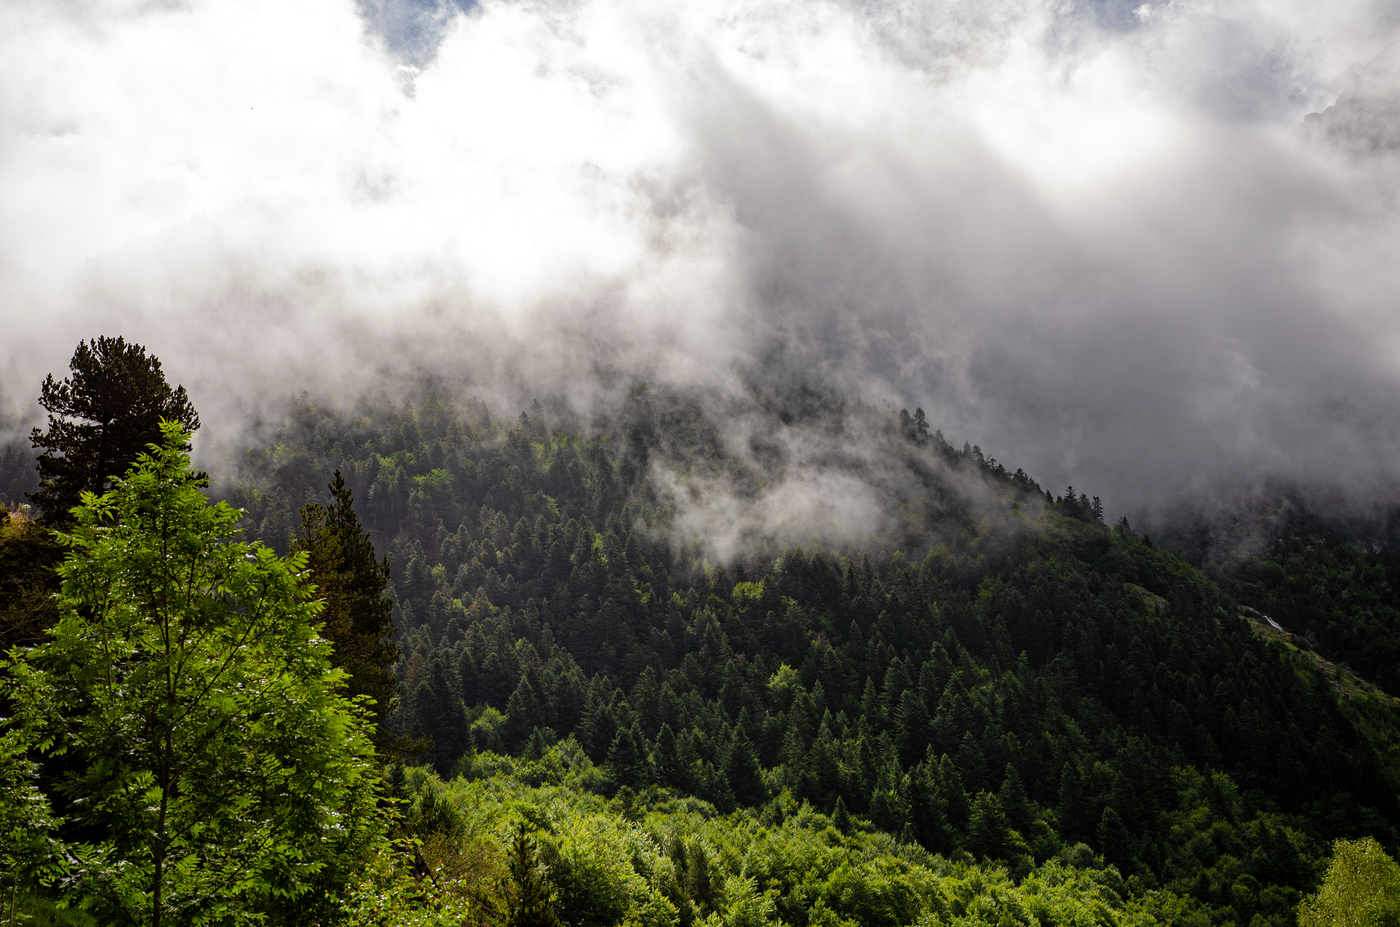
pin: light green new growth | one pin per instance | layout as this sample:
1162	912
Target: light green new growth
1361	889
212	765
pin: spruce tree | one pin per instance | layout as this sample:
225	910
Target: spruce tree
665	760
840	817
897	682
792	756
889	809
927	808
523	713
358	618
911	727
536	747
1014	801
439	715
527	895
1115	843
987	828
627	759
742	772
950	786
871	710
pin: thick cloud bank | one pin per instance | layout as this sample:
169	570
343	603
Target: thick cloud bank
1091	237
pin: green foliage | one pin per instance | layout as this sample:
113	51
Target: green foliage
357	617
997	711
29	553
1009	679
526	895
210	769
387	893
1361	889
38	911
683	863
30	854
101	418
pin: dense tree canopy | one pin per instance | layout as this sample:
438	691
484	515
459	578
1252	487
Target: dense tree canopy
992	709
210	769
1007	682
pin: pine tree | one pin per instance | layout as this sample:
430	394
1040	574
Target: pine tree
101	418
627	759
742	772
1014	801
359	616
987	827
840	817
527	895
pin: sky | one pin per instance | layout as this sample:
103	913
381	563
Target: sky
1096	239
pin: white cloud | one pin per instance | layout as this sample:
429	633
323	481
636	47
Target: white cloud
1034	223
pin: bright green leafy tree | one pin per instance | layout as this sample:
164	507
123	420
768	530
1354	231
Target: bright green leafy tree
29	852
1361	889
213	769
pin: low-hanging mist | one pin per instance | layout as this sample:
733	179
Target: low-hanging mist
1092	239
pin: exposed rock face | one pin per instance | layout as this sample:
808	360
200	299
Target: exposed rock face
1366	117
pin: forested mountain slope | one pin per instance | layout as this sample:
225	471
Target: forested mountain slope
1332	581
990	671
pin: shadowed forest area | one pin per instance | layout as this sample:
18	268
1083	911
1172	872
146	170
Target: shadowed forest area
991	709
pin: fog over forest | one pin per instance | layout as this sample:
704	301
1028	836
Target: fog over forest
1100	240
806	463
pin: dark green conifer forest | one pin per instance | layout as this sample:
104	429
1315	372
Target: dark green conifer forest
994	709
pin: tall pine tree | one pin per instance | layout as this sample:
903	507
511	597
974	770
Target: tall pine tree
101	418
358	617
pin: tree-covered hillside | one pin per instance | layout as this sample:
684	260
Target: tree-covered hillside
992	675
979	704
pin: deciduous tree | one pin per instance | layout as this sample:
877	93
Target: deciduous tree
1361	889
214	768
